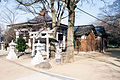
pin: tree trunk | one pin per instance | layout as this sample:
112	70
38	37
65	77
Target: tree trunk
70	33
53	19
54	23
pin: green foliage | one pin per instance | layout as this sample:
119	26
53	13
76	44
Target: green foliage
21	44
113	46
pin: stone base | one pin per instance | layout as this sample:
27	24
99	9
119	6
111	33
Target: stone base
11	55
37	59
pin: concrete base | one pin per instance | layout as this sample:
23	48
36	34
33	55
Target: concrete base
11	55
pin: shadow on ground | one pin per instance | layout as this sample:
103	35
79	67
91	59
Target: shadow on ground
114	53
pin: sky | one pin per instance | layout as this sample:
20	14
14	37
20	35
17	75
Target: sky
80	19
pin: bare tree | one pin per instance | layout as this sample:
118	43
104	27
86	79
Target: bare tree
9	16
1	30
9	35
4	0
111	21
112	27
55	7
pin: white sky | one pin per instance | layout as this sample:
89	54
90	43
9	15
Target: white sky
81	18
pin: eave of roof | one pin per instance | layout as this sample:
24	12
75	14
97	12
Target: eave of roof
25	24
83	30
35	21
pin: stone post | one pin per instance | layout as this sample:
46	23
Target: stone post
47	46
33	47
29	42
63	41
58	53
17	34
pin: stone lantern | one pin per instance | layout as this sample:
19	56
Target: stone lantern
12	54
38	57
2	45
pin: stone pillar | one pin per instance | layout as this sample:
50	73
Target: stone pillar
63	41
58	51
33	47
29	42
47	46
12	54
17	34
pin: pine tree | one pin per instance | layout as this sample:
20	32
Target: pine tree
21	44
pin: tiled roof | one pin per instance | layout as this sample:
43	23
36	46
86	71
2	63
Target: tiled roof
83	30
40	19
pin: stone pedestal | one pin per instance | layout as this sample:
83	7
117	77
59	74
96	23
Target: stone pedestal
38	57
12	54
57	54
58	51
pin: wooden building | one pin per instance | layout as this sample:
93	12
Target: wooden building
89	38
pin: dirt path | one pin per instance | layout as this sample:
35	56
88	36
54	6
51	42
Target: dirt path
95	66
14	70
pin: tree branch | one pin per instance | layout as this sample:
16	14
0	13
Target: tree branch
28	4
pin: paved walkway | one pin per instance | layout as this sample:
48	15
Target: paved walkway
10	70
